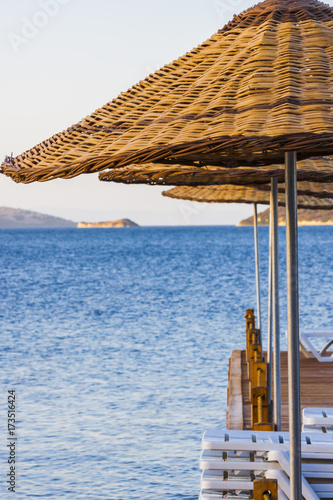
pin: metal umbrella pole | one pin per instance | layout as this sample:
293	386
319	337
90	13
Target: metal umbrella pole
269	316
275	305
293	327
256	247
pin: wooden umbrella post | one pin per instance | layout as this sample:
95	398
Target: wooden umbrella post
293	328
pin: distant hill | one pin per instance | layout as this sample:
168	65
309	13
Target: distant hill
18	218
115	223
305	218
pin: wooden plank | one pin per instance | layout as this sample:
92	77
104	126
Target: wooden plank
246	394
235	396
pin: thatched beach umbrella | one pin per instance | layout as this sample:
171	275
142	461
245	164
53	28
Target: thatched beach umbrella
259	87
245	194
319	170
257	92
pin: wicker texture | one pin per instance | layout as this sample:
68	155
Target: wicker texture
260	86
241	194
320	170
313	189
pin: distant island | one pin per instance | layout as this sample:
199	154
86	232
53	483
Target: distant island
115	223
18	218
305	218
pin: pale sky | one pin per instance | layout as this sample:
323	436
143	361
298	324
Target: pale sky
62	59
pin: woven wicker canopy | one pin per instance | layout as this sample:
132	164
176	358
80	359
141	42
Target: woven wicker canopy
313	189
260	86
241	194
196	176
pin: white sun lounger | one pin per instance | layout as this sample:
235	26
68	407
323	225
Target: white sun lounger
213	483
306	344
262	441
214	480
284	484
318	416
317	490
232	459
313	462
318	420
317	428
316	470
215	495
214	460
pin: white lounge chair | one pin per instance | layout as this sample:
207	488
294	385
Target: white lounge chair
263	441
232	459
318	416
314	464
316	428
317	473
213	483
217	460
216	495
284	484
306	345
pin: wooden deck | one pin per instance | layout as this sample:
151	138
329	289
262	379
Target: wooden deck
316	388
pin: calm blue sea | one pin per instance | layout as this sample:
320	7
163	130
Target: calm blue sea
117	344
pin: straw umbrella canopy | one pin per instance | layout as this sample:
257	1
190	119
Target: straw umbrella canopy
242	194
312	189
177	175
259	87
258	92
